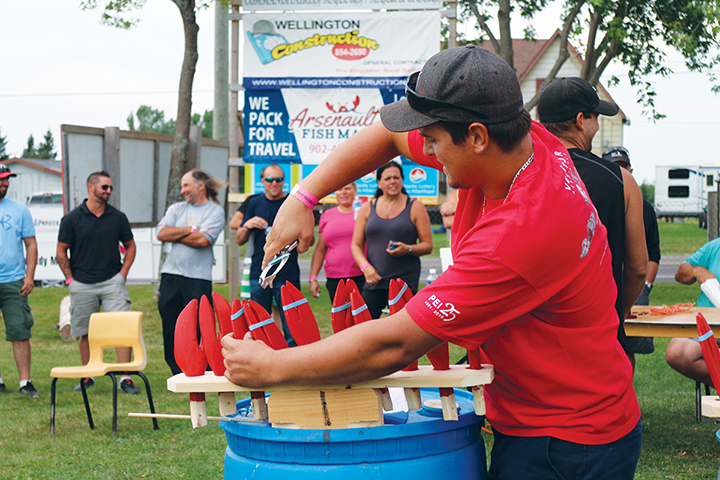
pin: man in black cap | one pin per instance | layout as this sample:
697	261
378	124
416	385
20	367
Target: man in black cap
529	284
569	108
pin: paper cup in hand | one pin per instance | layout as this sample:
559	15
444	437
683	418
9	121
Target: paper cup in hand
711	288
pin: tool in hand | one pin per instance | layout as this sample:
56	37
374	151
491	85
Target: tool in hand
278	262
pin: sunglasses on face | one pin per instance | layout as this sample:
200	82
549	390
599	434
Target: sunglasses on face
616	149
106	187
274	179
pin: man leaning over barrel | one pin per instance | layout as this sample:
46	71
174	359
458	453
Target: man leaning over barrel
531	282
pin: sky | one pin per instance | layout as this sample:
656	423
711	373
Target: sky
60	65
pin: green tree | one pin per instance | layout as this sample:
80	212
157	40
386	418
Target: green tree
30	151
3	148
46	149
150	120
648	192
636	33
114	13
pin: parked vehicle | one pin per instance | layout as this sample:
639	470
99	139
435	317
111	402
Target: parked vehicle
681	190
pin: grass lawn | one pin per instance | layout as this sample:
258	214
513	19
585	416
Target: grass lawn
675	446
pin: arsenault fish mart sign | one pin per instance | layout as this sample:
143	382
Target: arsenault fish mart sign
314	79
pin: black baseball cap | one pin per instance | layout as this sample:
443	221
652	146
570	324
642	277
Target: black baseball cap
5	171
564	98
462	85
617	155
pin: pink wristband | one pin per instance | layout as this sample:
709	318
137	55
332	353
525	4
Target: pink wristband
69	281
364	266
307	198
312	277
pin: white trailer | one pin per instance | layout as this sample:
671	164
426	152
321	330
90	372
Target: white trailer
681	190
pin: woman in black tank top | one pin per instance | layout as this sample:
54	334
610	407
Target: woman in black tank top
385	242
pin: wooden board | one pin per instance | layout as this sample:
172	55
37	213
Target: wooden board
324	409
680	325
711	406
459	376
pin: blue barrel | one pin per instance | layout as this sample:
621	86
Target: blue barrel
415	444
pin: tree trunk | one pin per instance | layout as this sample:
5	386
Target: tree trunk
181	144
506	46
181	140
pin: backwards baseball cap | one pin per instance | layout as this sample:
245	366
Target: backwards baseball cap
462	85
564	98
5	171
617	155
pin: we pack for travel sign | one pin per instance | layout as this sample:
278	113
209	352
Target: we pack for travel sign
313	50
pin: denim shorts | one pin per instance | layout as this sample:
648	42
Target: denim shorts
549	458
15	311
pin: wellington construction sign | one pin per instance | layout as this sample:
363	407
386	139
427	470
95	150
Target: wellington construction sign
314	79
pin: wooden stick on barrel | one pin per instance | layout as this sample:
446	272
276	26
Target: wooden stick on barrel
398	297
191	359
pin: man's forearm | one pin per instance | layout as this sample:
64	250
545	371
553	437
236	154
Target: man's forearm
173	234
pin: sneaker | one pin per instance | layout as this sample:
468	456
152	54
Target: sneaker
2	387
128	386
89	382
29	390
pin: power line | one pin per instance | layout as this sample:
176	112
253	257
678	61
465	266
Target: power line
93	94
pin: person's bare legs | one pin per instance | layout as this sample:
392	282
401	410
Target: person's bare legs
84	349
685	356
123	354
21	351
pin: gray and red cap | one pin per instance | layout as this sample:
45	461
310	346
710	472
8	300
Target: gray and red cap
5	171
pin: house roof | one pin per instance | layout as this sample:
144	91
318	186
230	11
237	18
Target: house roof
48	166
526	53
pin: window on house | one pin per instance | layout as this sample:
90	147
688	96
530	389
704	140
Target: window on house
679	173
679	191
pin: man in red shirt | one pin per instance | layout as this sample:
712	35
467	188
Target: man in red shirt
531	282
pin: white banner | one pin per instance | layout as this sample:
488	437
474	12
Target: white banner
265	5
318	46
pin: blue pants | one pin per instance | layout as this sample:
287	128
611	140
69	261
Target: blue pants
265	296
548	458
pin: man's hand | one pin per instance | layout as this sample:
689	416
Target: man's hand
256	222
294	221
247	361
28	286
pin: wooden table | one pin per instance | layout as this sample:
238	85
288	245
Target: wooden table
680	325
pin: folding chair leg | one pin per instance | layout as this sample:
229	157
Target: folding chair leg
115	396
698	402
52	406
150	400
87	404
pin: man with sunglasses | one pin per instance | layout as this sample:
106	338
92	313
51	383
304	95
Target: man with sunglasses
95	272
257	223
569	109
17	279
531	282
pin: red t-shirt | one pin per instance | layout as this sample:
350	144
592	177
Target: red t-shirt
531	283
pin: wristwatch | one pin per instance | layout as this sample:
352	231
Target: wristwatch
649	286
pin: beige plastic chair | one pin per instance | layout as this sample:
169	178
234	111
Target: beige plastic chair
107	330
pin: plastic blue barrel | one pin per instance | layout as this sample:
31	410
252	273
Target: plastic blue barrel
415	444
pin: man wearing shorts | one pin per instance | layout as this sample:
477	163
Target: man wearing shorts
16	279
95	273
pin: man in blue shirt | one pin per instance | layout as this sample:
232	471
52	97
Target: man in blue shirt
258	222
684	354
17	279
